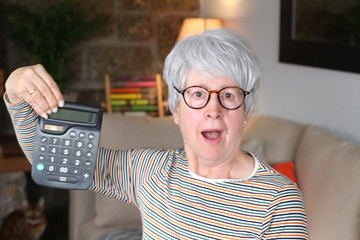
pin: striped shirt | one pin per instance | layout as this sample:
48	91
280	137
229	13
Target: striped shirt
177	204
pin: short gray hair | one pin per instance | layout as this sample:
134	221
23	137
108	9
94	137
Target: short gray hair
219	52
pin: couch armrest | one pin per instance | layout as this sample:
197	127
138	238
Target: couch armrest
78	214
279	136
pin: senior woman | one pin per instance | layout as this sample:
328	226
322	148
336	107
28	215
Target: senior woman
211	189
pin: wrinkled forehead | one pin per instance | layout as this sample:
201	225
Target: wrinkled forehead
208	79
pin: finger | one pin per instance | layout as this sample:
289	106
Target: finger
53	86
49	88
37	101
33	91
44	96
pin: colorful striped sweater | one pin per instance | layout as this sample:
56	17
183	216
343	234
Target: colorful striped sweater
177	204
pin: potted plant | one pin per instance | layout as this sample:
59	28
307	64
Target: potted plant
49	33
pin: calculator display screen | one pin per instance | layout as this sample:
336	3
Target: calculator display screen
73	115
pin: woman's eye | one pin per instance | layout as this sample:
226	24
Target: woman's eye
198	94
228	95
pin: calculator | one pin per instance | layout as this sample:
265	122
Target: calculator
66	146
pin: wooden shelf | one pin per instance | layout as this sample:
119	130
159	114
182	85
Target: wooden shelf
14	164
12	158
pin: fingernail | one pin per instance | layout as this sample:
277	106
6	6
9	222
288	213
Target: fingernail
55	110
44	115
61	103
49	112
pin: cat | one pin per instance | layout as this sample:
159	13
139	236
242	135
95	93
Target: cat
27	223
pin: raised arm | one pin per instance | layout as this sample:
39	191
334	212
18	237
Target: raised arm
30	91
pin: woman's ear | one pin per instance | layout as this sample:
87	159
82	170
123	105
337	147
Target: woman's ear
176	116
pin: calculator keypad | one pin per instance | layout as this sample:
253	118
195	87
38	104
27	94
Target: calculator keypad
67	159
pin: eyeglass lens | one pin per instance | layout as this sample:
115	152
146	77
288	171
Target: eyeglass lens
229	97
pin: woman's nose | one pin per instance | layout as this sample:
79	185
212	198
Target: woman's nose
213	108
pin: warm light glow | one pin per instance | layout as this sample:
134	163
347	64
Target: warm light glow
192	26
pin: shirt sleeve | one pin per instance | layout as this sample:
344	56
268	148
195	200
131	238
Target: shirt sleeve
24	120
120	174
286	217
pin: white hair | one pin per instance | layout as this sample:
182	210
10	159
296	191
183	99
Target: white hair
219	52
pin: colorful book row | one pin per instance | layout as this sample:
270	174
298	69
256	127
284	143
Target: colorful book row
132	90
132	96
145	108
124	102
136	84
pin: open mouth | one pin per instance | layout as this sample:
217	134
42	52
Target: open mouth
211	135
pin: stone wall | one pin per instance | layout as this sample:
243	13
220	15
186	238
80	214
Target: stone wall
137	36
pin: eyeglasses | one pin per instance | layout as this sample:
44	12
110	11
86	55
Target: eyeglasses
197	97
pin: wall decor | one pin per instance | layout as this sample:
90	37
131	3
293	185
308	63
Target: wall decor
321	33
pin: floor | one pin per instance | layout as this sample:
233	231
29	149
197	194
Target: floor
56	208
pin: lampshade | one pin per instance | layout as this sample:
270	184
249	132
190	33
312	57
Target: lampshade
192	26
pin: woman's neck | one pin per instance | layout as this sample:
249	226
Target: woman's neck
239	167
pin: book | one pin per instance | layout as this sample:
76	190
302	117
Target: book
141	84
139	108
125	90
126	96
132	90
124	102
144	108
135	84
133	96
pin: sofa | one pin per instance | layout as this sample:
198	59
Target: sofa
326	167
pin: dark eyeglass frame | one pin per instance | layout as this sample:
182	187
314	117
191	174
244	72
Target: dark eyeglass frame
210	92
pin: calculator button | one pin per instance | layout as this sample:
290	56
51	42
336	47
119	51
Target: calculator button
55	141
42	149
63	170
54	150
82	135
90	145
52	159
40	167
86	175
50	168
67	142
58	178
91	136
75	171
79	144
78	153
65	151
64	161
88	163
76	162
41	158
43	139
89	154
72	134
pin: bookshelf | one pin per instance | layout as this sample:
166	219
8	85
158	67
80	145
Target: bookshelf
135	95
12	158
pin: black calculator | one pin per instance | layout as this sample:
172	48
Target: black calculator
66	146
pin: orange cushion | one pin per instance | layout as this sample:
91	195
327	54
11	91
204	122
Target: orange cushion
286	168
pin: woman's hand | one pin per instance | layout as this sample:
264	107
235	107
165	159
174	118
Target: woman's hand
34	85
